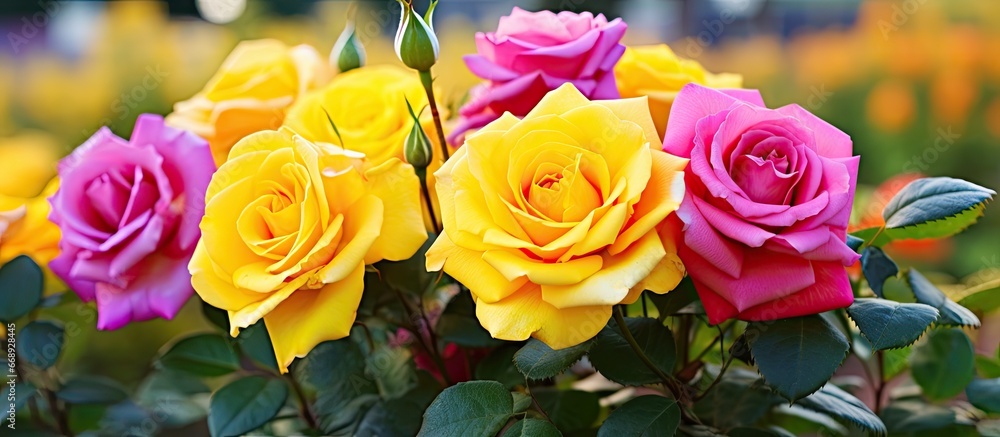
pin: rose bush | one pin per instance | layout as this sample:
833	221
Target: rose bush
552	219
129	213
289	226
769	195
532	53
253	88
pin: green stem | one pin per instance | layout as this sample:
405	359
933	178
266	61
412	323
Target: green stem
427	81
422	175
304	409
881	381
60	414
717	378
620	319
433	352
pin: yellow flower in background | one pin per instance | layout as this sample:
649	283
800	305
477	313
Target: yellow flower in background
25	229
27	163
553	219
656	72
368	106
289	226
253	88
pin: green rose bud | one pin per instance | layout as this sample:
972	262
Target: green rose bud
417	148
416	44
348	53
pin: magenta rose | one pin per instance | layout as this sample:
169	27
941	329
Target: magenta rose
532	53
769	194
129	214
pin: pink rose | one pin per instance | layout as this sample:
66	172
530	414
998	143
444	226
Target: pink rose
769	194
532	53
129	214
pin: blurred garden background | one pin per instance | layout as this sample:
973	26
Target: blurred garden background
916	83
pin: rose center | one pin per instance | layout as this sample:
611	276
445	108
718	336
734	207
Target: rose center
764	177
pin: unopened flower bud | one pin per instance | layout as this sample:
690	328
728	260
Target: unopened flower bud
348	53
417	149
416	44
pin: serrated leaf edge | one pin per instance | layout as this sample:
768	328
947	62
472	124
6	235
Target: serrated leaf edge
590	343
870	342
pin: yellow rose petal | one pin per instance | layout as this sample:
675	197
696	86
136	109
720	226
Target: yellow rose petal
514	266
310	317
612	283
524	314
468	267
402	228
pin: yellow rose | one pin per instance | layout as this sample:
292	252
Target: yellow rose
656	72
368	106
27	163
289	226
25	229
552	219
251	92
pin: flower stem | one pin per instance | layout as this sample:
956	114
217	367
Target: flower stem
717	378
426	80
620	319
422	175
304	409
433	352
881	381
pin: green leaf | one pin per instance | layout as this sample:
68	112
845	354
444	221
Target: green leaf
569	410
931	199
987	367
984	394
458	324
202	355
92	390
475	408
797	356
521	402
336	370
854	243
409	275
255	343
393	371
951	313
497	367
647	416
877	267
216	316
671	303
914	416
532	428
174	397
21	283
891	325
245	405
40	343
895	361
841	405
943	365
402	416
936	207
536	360
614	358
758	432
985	297
929	208
737	400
